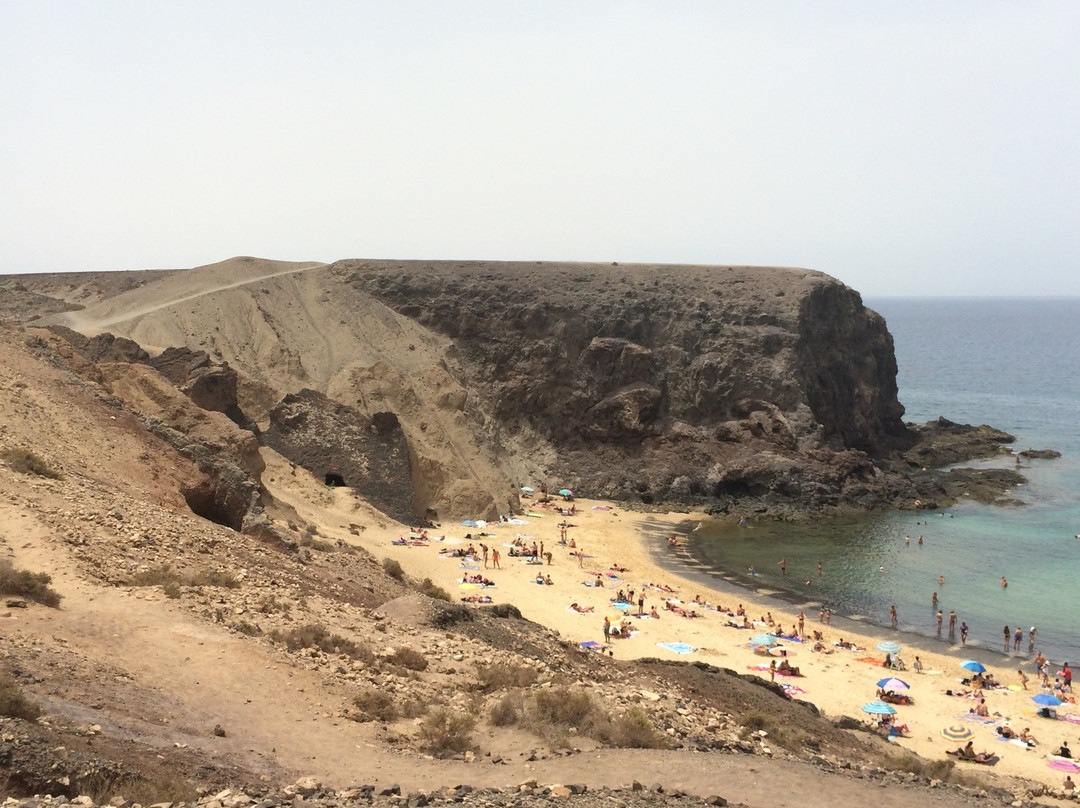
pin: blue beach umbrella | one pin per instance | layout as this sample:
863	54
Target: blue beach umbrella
1047	700
973	665
878	708
526	488
765	639
888	647
894	684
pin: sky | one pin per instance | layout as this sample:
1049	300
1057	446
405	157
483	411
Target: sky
907	148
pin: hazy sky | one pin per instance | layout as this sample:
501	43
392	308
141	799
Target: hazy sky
907	148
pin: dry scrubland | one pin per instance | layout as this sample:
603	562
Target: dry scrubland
153	654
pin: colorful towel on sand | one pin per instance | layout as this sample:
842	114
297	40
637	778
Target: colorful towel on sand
793	690
1063	765
988	720
601	507
678	647
517	521
469	566
870	661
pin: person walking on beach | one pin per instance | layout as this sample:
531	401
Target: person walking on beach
963	633
1066	674
1008	634
1023	678
495	559
892	615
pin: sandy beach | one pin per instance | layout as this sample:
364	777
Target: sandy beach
839	682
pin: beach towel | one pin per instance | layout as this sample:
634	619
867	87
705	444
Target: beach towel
592	645
1063	765
1015	742
678	647
465	566
517	521
601	507
792	639
523	537
987	720
870	661
793	690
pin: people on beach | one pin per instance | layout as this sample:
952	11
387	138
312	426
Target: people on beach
892	615
1031	638
939	618
1018	637
783	566
1008	634
963	632
952	622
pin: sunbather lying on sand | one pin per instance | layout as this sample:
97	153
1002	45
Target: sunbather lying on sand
582	609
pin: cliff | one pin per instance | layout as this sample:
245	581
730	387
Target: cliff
728	388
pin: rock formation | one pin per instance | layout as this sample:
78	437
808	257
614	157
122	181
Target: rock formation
763	389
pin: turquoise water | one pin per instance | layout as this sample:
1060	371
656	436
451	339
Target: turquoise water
1014	364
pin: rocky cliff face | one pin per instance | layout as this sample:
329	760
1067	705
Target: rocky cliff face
664	382
751	388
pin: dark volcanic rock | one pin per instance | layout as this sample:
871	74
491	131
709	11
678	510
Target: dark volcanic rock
103	347
705	385
210	385
370	455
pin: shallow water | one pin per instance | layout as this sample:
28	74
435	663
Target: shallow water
1014	364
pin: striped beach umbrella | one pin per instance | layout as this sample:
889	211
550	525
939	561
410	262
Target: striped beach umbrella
879	708
894	684
957	732
888	647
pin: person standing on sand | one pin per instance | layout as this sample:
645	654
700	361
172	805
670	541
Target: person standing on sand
772	670
1023	678
607	629
495	559
802	620
828	617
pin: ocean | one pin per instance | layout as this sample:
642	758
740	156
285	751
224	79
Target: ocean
1010	363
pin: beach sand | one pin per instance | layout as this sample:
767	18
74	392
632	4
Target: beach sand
839	684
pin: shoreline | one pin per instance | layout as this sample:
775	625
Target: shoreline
838	683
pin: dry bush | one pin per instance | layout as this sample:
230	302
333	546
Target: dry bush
414	707
507	711
778	734
490	678
392	567
631	730
271	605
433	590
562	707
171	581
250	629
444	732
163	786
409	658
934	769
32	585
13	704
375	705
314	636
26	462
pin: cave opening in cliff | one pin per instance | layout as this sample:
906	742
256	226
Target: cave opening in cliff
334	479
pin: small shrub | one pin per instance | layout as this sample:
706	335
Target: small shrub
445	732
32	585
491	678
26	462
392	567
934	769
156	576
172	590
250	629
433	590
314	636
217	578
562	707
414	707
778	734
507	711
375	705
13	704
271	605
632	730
409	658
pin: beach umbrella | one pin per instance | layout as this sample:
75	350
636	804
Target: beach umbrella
894	684
528	488
1047	700
973	665
888	647
957	732
565	492
765	639
878	708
